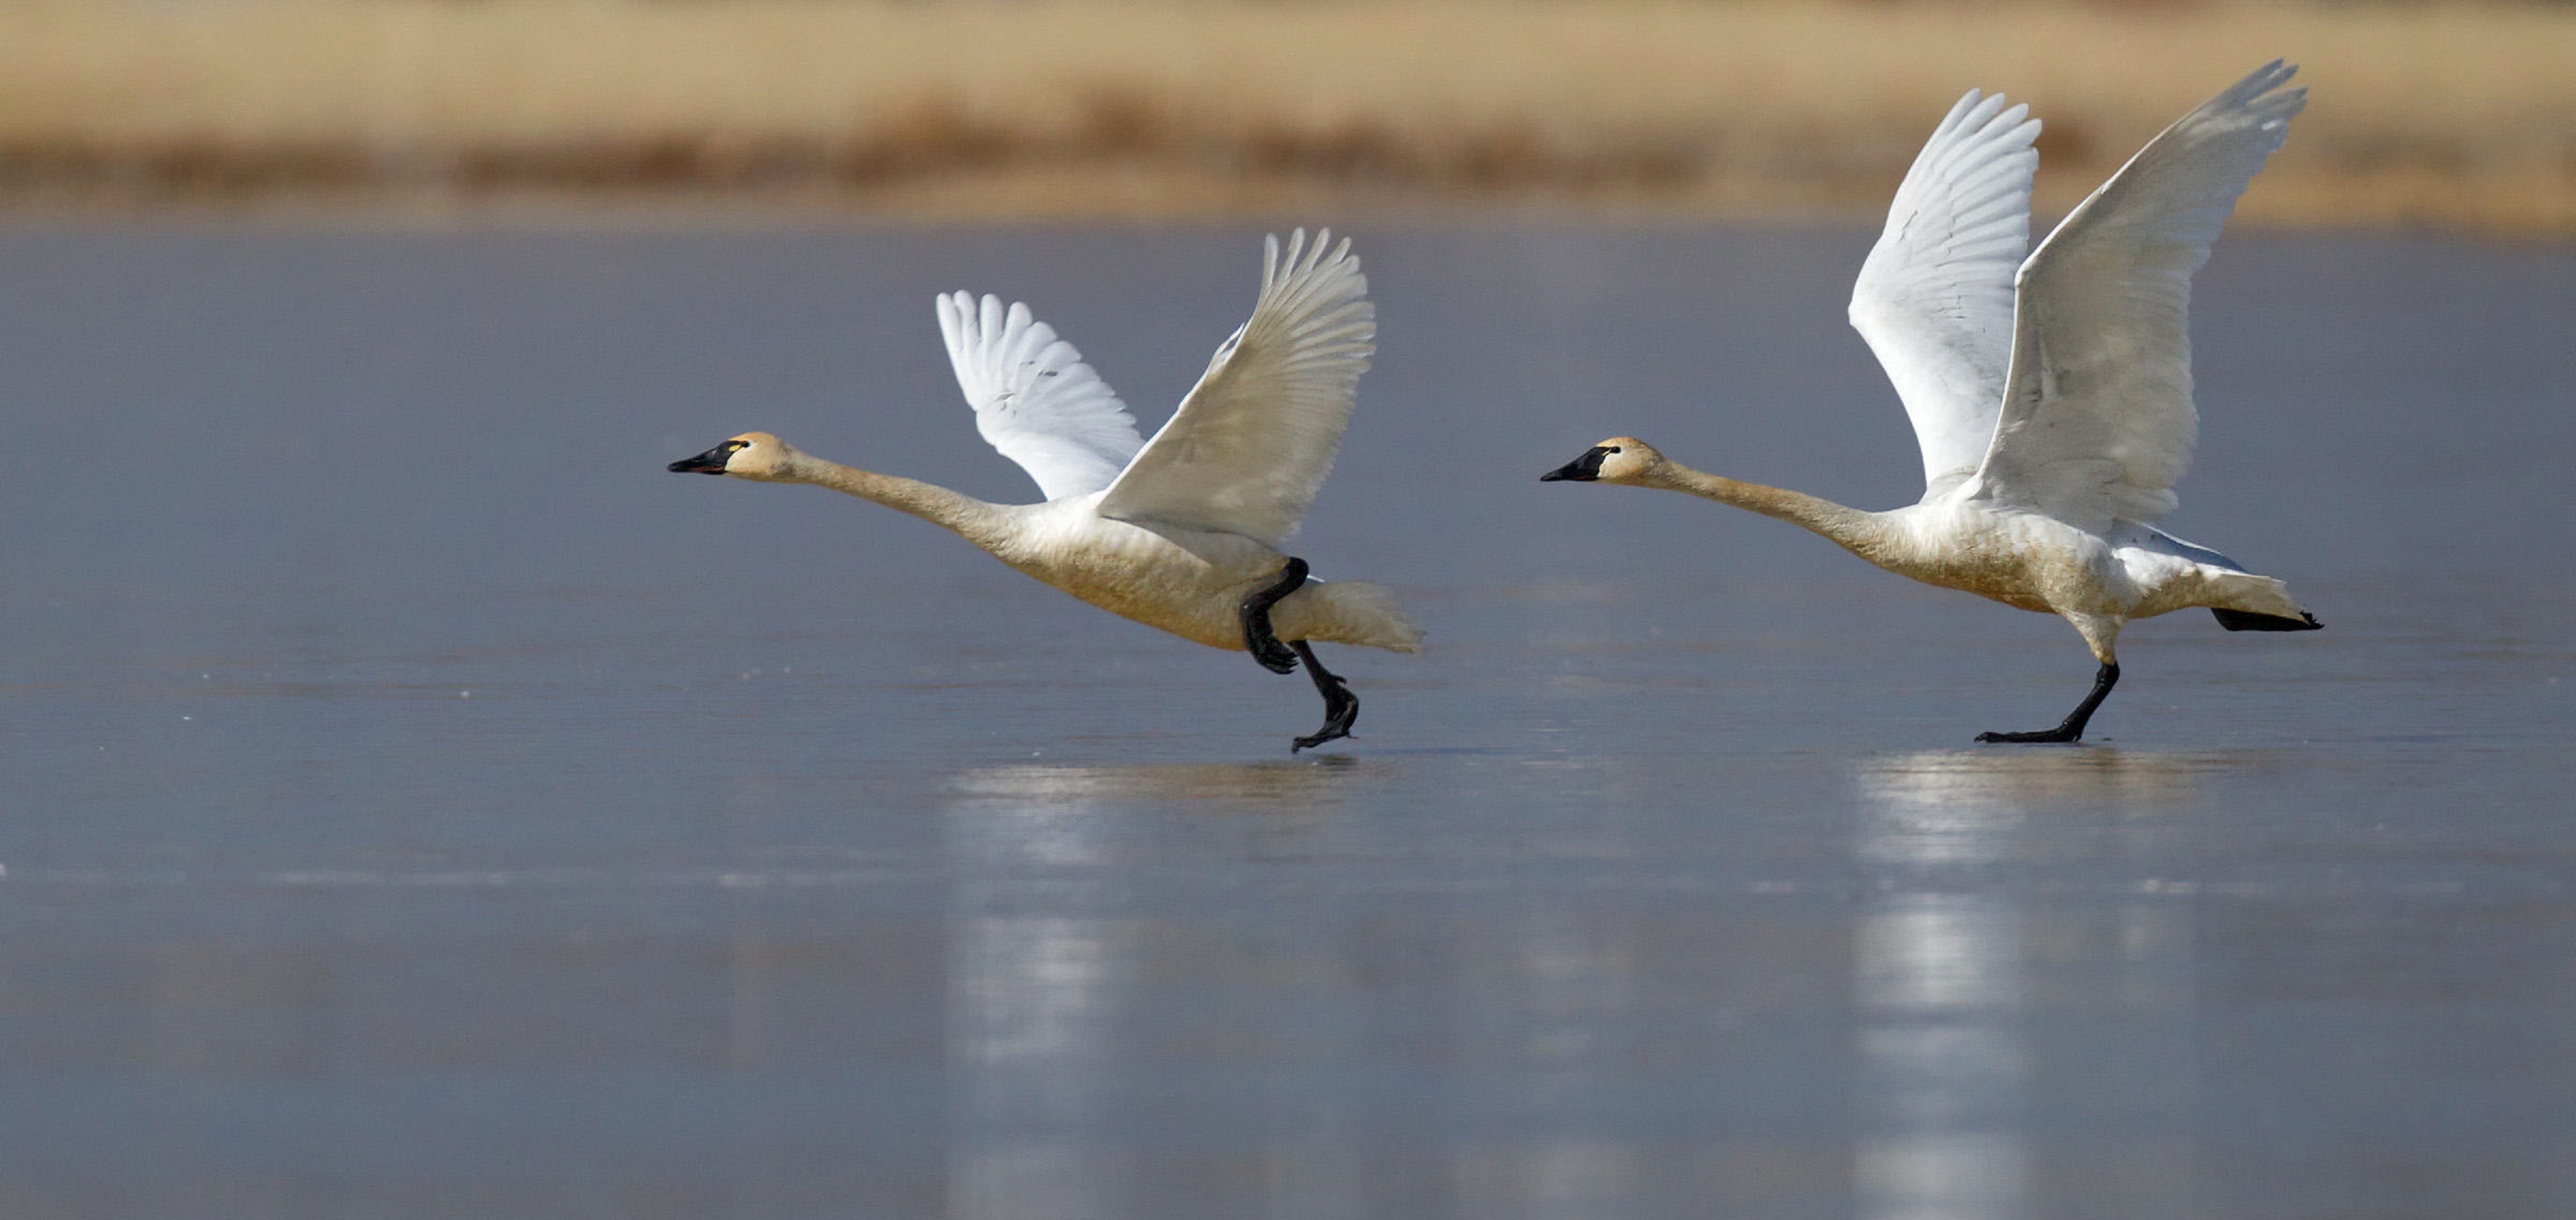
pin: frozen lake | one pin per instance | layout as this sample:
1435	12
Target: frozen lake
423	804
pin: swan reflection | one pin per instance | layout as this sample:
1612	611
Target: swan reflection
1966	807
1283	780
1043	990
1942	969
1063	816
1548	1178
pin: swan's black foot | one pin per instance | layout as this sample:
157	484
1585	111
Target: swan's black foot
2056	736
1341	707
1257	636
2073	729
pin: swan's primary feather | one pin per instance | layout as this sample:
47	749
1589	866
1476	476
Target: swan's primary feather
1034	398
1935	299
2097	419
1250	446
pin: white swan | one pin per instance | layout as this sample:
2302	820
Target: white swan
1183	532
2053	404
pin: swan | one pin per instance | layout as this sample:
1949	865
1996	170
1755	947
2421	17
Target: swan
1181	532
2053	403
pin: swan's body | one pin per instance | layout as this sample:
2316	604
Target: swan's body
2051	396
1184	533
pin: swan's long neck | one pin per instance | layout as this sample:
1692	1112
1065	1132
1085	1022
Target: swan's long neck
1865	534
978	522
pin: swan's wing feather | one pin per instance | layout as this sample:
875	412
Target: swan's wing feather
2097	421
1935	298
1034	398
1251	444
2163	543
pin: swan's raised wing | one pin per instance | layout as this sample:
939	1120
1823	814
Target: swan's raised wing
2097	419
1252	443
1935	299
1034	398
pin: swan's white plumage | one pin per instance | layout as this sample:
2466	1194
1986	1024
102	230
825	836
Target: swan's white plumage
1251	444
1034	398
1187	582
2053	404
1204	508
1935	298
2097	421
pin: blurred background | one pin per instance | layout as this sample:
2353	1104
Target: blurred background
2458	113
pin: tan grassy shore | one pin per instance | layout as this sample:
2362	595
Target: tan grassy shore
2450	114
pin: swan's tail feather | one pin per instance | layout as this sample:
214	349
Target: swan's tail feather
1364	613
2247	602
2246	620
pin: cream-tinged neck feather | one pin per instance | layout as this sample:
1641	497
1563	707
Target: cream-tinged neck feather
978	522
1865	534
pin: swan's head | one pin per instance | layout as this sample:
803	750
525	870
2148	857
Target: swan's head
1621	459
752	455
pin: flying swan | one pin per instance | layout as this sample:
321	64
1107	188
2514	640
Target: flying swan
1182	532
2053	403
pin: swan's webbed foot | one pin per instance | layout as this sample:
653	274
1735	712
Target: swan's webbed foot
1257	636
2061	735
1341	707
2073	728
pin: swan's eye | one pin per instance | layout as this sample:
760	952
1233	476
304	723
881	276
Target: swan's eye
1610	449
736	446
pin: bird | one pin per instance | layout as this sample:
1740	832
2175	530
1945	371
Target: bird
2051	395
1183	532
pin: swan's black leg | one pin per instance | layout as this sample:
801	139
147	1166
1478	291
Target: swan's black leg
1341	707
1257	636
2103	679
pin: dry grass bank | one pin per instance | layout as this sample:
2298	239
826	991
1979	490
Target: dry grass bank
2450	114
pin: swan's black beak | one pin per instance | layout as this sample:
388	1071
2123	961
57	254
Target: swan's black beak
710	462
1584	469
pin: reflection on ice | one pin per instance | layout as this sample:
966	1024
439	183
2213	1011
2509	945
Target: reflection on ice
1021	987
1943	1057
1032	995
1573	984
1039	990
1958	807
1569	1179
1052	1008
1942	979
1939	953
1977	1175
2033	777
1027	1181
1284	780
1065	816
1031	1009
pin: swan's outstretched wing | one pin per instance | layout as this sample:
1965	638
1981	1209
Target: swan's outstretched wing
1935	299
1252	443
1034	398
2097	419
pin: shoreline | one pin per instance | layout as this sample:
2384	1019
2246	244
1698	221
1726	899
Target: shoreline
2275	203
2456	117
